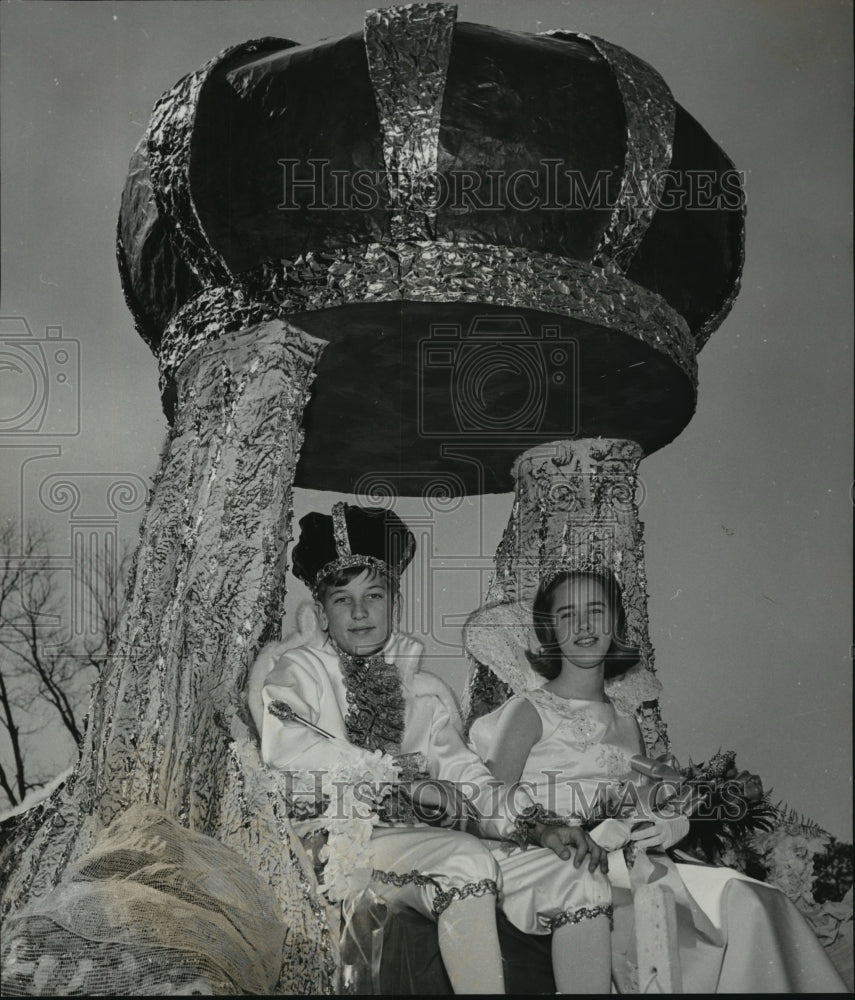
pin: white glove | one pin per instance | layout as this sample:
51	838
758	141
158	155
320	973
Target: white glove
611	834
662	831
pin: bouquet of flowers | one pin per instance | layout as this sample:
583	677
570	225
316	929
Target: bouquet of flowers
734	823
337	808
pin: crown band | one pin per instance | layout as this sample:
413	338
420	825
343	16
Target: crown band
340	536
435	271
345	562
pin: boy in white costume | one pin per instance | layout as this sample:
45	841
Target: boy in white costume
359	682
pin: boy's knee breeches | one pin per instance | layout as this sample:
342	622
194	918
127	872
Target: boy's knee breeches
429	869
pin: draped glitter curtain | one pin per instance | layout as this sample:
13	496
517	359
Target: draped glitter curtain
166	724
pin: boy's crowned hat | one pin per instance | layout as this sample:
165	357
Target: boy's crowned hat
351	536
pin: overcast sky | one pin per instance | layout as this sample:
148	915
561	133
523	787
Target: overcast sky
748	513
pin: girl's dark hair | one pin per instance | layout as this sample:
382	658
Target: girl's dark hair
620	657
341	577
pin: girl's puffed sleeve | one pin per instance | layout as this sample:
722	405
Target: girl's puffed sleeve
302	683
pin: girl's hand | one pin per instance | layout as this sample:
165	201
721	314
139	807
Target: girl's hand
561	839
663	831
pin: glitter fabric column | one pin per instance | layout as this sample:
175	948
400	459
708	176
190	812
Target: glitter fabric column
575	508
168	725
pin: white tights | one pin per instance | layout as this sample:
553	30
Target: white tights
581	956
469	945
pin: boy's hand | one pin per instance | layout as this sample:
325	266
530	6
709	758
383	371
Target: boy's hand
564	840
440	803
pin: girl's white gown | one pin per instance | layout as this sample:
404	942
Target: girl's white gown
735	935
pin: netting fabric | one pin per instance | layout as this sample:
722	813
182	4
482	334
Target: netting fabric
154	909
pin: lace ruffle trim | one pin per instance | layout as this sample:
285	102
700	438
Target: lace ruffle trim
375	699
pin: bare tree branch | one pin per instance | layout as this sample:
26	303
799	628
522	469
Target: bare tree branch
44	668
8	709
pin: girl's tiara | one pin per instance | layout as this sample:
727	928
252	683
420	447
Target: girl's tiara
591	567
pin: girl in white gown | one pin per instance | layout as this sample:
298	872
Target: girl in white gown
569	744
359	683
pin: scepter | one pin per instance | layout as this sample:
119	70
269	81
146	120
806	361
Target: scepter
413	766
282	711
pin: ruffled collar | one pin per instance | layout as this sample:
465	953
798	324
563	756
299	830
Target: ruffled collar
411	665
375	700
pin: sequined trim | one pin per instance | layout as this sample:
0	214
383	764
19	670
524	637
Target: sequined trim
169	137
613	761
585	913
536	814
344	562
339	521
443	898
580	727
649	109
375	699
713	322
345	558
393	878
408	50
429	271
